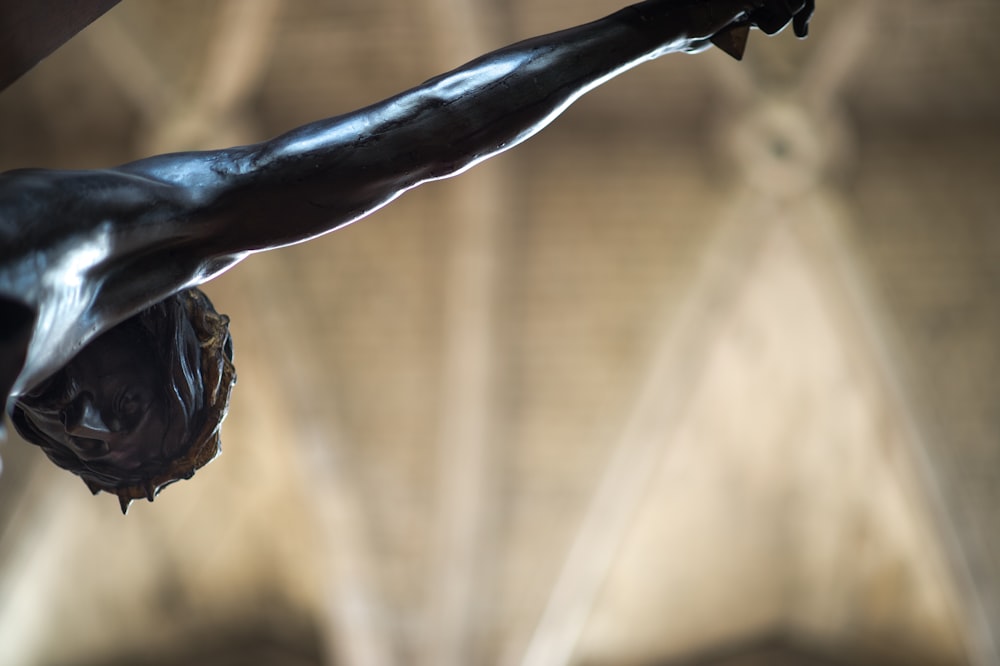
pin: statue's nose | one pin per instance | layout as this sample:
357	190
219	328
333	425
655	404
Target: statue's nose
84	419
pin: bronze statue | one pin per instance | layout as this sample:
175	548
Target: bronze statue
98	267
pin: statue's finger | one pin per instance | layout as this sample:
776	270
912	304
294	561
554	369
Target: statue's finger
801	22
776	14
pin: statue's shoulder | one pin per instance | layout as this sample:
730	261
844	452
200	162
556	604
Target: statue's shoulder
27	199
15	197
20	188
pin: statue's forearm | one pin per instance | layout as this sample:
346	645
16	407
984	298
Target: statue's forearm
490	103
326	174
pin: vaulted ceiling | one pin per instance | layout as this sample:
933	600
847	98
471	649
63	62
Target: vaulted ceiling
705	373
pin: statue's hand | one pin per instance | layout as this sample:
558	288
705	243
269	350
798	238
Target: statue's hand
772	16
706	18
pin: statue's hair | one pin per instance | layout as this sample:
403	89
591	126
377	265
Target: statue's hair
192	348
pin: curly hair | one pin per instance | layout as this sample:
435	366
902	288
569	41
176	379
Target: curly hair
193	349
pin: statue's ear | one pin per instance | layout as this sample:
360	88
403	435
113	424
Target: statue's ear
17	322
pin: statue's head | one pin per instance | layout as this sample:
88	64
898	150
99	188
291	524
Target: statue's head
140	406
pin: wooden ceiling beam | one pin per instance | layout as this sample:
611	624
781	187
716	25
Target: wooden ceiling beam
30	31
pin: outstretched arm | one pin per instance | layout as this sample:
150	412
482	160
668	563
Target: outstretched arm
325	175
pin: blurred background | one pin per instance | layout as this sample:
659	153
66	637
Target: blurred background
706	373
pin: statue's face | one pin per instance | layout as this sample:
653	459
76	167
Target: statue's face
106	406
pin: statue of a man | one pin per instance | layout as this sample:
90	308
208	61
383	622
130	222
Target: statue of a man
98	267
